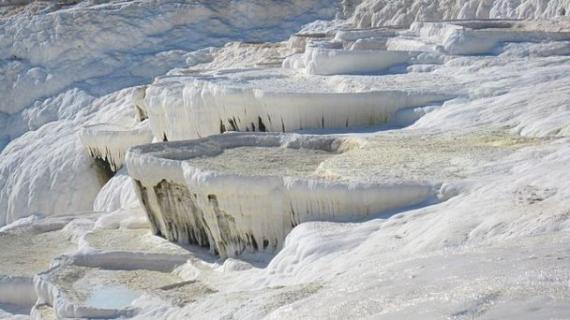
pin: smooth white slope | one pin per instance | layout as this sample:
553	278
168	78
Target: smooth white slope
130	41
49	172
530	97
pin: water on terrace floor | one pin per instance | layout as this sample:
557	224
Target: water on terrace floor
264	161
111	297
27	254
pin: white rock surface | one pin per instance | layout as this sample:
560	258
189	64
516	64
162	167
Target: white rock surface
324	61
482	37
109	143
116	194
64	182
277	100
48	171
371	13
46	53
492	243
232	209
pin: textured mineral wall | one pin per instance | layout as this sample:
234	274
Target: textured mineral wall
273	100
232	210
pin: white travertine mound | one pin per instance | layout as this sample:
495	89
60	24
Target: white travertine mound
116	194
139	104
232	205
48	172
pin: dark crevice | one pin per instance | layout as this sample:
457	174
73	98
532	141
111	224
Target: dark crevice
233	124
261	125
104	171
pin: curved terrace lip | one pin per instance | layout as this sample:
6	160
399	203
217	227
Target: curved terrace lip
109	142
178	155
101	132
276	100
102	129
186	150
246	80
106	127
69	306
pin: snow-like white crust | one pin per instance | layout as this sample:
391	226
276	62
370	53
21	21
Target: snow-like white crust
47	53
116	194
479	37
349	35
231	211
276	100
375	13
110	142
140	106
47	172
325	61
499	148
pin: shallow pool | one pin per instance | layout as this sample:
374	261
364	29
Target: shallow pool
112	297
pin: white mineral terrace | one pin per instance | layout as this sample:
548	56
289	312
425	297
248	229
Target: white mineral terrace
351	35
239	192
83	292
320	60
391	163
110	142
472	37
115	267
246	191
182	107
299	41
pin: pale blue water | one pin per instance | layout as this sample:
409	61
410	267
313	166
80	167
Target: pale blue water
15	309
115	297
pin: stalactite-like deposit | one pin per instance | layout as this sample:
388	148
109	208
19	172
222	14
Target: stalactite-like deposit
234	206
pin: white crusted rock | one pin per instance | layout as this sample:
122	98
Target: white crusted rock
262	186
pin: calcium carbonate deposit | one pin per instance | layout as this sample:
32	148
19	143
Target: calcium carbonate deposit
264	161
293	159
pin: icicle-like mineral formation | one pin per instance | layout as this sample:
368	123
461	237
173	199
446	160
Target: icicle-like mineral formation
273	100
109	143
245	192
